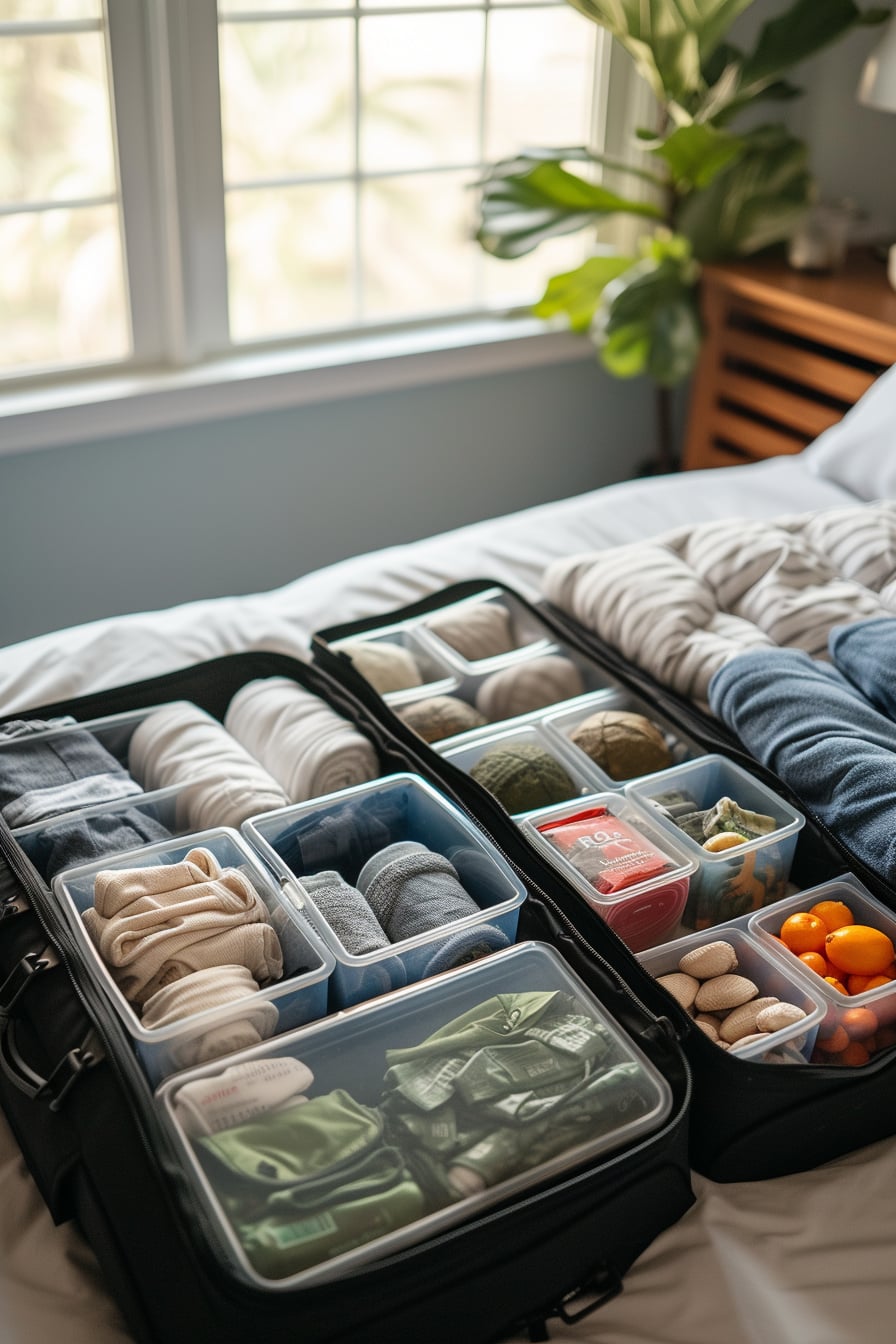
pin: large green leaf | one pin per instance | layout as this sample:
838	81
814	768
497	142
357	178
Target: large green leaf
667	39
757	200
577	293
525	201
648	321
807	27
697	152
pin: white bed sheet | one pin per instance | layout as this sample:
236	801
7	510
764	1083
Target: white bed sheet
807	1259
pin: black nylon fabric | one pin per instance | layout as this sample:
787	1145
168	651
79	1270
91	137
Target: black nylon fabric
747	1121
103	1158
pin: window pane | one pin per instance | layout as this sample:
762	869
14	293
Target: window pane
548	52
416	248
289	257
62	287
520	283
31	11
286	92
226	7
55	131
420	79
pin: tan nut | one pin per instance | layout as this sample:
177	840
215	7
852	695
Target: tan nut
724	991
742	1021
748	1040
712	959
681	987
778	1016
707	1028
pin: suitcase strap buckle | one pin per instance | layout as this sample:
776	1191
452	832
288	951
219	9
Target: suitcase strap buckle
605	1283
14	905
70	1068
21	976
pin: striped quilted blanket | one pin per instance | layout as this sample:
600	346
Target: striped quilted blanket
684	603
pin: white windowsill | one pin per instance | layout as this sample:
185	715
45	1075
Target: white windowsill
250	383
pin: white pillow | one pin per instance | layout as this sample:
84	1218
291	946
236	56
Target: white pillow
859	452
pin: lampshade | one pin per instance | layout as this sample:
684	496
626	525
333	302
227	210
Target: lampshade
877	87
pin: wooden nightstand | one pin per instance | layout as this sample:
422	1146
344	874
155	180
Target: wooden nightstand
785	355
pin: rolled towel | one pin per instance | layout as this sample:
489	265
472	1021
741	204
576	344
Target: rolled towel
66	844
223	784
387	666
866	655
527	685
441	716
622	743
480	630
44	776
241	1092
213	987
308	748
811	726
154	925
347	912
412	889
523	776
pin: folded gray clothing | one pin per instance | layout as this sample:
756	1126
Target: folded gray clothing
347	913
25	727
66	844
866	655
412	890
342	839
35	773
816	730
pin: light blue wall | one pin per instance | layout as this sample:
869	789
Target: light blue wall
241	505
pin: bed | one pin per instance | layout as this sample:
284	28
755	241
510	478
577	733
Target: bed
805	1258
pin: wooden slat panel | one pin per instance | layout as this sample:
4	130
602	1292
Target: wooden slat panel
718	455
801	366
755	439
840	331
806	416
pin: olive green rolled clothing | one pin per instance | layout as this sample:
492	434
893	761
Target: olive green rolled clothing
154	925
508	1085
308	1181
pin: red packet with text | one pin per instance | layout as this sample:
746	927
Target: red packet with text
608	852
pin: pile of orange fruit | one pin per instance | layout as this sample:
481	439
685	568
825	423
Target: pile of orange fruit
851	958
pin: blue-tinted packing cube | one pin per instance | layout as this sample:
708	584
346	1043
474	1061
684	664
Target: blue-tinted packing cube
350	1053
343	830
734	881
791	1044
299	996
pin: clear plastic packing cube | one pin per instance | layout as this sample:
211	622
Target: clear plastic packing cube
735	881
435	1145
628	870
791	1044
867	1018
530	733
299	996
528	634
344	831
564	722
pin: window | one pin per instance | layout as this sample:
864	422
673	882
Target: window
180	181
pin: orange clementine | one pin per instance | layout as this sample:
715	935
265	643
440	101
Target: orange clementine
833	914
859	1023
857	984
833	1044
815	961
802	932
854	1055
833	971
836	984
858	949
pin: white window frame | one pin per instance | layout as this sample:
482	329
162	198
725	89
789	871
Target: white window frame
168	132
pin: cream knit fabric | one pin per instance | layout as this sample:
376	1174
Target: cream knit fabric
527	685
214	987
154	925
181	744
241	1092
308	748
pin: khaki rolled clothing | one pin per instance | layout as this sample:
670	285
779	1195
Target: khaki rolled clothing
308	748
254	1021
222	783
154	925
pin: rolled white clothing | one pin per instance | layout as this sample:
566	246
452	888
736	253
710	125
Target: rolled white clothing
308	748
223	783
241	1092
252	1021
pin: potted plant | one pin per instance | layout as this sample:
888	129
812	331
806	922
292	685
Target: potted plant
716	192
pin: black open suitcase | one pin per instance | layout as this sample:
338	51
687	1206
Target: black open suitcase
748	1121
80	1107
